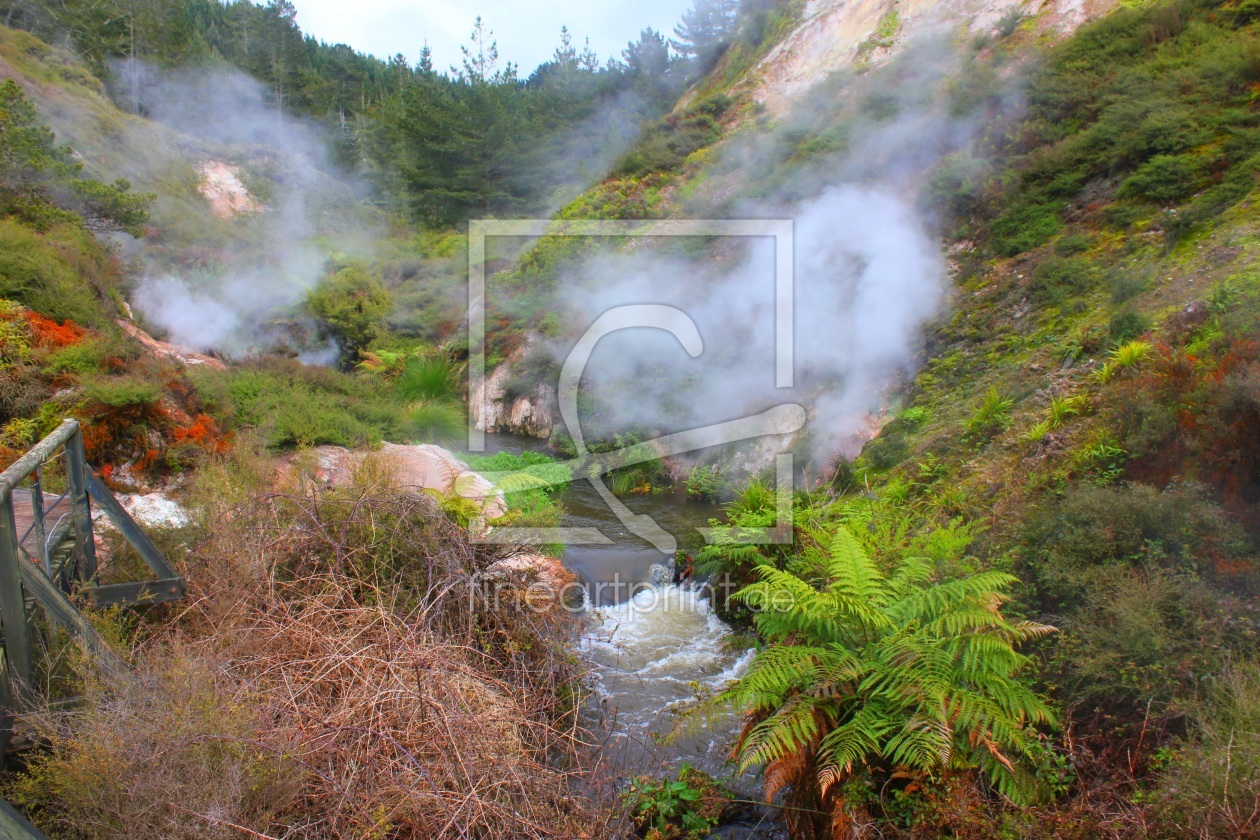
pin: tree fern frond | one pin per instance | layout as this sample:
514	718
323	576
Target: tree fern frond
863	664
792	728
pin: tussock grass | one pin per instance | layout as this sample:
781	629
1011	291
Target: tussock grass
330	676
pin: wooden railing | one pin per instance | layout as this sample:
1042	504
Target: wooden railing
51	563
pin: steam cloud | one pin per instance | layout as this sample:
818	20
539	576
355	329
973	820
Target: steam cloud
868	276
869	273
270	259
272	255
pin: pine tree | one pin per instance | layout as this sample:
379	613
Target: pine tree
41	183
480	64
704	31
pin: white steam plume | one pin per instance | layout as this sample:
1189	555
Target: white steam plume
264	262
868	276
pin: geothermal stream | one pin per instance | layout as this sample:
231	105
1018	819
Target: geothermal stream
654	644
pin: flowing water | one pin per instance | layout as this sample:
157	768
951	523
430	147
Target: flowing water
655	644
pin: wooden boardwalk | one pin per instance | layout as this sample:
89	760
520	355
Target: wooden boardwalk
48	569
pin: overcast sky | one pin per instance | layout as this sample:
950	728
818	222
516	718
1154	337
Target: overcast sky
527	31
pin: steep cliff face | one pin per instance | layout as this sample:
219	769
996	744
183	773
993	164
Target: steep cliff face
835	34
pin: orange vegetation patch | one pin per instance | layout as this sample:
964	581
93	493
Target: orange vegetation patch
204	433
48	333
96	439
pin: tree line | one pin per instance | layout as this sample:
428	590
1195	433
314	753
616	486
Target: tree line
440	144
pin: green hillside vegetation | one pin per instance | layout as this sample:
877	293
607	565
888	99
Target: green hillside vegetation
1088	418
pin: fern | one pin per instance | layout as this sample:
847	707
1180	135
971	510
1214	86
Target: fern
865	667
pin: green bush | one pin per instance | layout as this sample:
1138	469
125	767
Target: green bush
85	358
1164	178
122	391
1025	227
1057	279
1128	325
1142	636
1126	284
1073	244
666	145
293	405
1178	529
62	273
351	306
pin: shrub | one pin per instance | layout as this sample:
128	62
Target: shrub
83	359
1010	22
1164	178
62	274
1025	227
351	306
1212	785
1143	641
1128	325
291	404
324	635
122	391
886	451
1126	285
1059	278
992	416
1178	529
1073	244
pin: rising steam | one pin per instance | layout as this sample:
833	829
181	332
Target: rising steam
867	274
869	271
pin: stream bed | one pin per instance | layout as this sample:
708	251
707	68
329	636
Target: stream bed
654	643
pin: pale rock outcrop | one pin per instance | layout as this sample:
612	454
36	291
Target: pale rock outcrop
830	32
221	185
166	350
416	468
530	416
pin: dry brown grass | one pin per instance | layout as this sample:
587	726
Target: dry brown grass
330	676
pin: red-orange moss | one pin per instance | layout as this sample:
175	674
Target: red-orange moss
48	333
204	432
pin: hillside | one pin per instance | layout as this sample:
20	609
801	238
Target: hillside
1082	414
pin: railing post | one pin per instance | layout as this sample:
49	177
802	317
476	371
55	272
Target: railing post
76	476
17	640
37	511
7	712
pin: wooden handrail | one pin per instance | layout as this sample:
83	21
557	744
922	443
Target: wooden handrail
37	455
14	826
